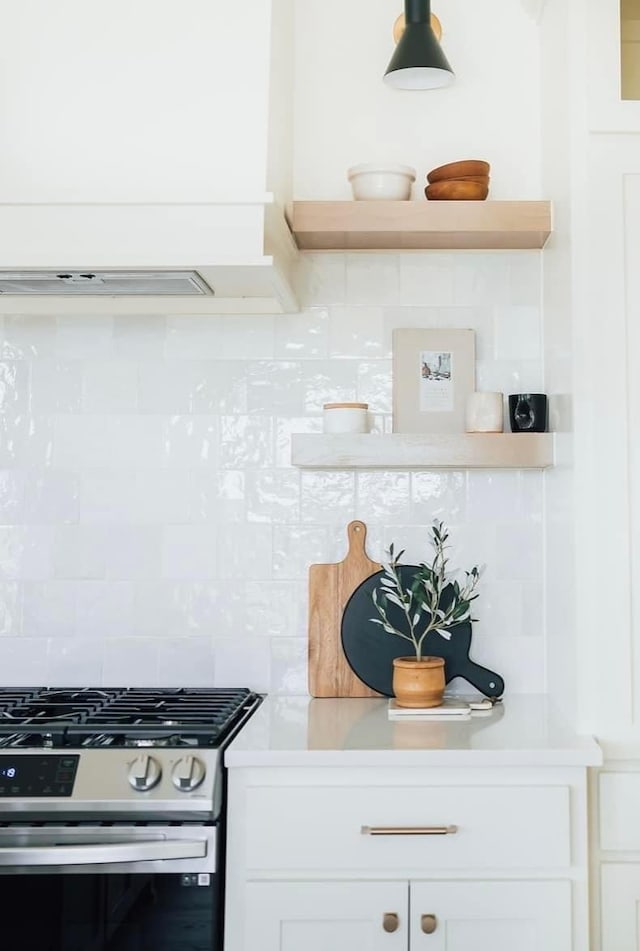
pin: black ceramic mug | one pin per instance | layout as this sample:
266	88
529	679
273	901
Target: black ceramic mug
528	412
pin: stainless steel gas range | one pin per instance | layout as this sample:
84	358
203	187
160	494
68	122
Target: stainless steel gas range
112	806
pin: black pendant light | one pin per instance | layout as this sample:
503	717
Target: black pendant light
418	62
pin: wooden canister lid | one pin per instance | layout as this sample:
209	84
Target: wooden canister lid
346	406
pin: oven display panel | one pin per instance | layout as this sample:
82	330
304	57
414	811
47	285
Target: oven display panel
37	776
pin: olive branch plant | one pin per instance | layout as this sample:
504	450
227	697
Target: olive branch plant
424	596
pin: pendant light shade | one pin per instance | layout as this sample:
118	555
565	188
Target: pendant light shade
418	62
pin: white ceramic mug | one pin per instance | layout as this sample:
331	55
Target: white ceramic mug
485	413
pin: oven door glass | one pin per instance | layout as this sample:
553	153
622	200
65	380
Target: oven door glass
174	912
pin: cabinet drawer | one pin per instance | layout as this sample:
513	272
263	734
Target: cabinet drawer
322	827
619	813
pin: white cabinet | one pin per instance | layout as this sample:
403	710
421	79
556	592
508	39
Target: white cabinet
347	859
617	795
398	916
490	916
327	916
620	889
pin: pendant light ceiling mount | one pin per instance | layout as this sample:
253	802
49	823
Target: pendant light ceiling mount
419	61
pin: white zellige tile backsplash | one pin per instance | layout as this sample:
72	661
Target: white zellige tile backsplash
152	529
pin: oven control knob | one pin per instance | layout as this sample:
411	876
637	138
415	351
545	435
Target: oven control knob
188	773
144	773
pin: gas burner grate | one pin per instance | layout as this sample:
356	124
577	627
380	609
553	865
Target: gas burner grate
112	717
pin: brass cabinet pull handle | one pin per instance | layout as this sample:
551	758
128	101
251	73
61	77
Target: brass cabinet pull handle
428	923
409	830
391	922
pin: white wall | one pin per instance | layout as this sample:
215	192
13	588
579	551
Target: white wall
345	115
153	530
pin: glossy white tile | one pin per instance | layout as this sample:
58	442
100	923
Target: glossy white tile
383	496
73	662
426	279
220	338
16	395
189	552
246	442
130	662
12	496
79	551
10	609
303	336
84	338
288	666
25	552
327	498
329	382
243	662
110	386
273	496
518	333
27	337
104	609
127	442
23	661
49	609
191	442
356	332
217	497
51	496
372	279
56	386
186	662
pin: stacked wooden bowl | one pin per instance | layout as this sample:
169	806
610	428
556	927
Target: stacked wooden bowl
459	181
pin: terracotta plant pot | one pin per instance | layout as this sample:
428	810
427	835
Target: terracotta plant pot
418	683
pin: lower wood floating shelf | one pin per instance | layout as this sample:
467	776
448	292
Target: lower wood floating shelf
428	451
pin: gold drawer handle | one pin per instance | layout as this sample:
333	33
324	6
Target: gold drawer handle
428	923
409	830
391	922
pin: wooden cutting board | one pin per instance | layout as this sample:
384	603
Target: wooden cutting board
330	587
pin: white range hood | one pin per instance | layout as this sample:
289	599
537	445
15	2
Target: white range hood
147	157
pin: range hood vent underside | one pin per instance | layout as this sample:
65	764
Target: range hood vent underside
92	283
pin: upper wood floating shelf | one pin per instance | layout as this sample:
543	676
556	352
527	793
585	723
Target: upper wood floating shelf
420	225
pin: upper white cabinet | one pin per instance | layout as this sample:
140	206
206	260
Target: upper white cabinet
613	65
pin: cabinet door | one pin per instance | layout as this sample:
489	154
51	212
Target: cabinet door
620	903
490	916
326	916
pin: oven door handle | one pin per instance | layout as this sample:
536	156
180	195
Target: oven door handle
103	853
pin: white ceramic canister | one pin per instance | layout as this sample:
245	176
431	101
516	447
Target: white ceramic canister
345	418
485	413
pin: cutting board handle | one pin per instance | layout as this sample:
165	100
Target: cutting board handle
357	558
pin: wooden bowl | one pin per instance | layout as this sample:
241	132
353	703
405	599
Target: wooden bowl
457	190
458	170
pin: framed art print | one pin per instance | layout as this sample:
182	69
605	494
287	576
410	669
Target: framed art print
433	374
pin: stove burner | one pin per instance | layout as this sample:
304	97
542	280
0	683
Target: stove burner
119	717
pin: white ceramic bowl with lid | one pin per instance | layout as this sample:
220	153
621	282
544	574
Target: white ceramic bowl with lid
379	182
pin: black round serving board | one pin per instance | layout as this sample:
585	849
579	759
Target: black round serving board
370	650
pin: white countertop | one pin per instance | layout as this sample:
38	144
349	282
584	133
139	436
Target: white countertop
301	731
